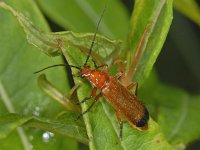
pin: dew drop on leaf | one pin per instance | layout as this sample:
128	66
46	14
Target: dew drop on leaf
36	111
46	136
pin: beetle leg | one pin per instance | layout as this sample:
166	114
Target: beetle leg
93	93
104	65
119	75
132	85
95	100
120	123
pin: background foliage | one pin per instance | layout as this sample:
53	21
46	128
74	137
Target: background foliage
175	110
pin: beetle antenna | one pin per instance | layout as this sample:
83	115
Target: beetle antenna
76	67
94	37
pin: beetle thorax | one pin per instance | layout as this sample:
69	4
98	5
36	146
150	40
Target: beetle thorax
96	77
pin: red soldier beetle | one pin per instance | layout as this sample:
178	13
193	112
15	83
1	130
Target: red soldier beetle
118	96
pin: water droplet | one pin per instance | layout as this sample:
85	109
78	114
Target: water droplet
46	136
36	112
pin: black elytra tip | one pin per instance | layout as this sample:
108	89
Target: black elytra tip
143	121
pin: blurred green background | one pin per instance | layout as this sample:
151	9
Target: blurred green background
179	60
178	63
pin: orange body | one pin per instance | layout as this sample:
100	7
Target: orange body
123	101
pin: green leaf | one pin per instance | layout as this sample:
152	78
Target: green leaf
82	16
48	88
175	110
6	127
102	127
189	8
51	141
183	127
19	91
101	124
15	144
65	125
53	43
31	10
150	24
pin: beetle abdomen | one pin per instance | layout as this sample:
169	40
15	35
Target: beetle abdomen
126	103
144	120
